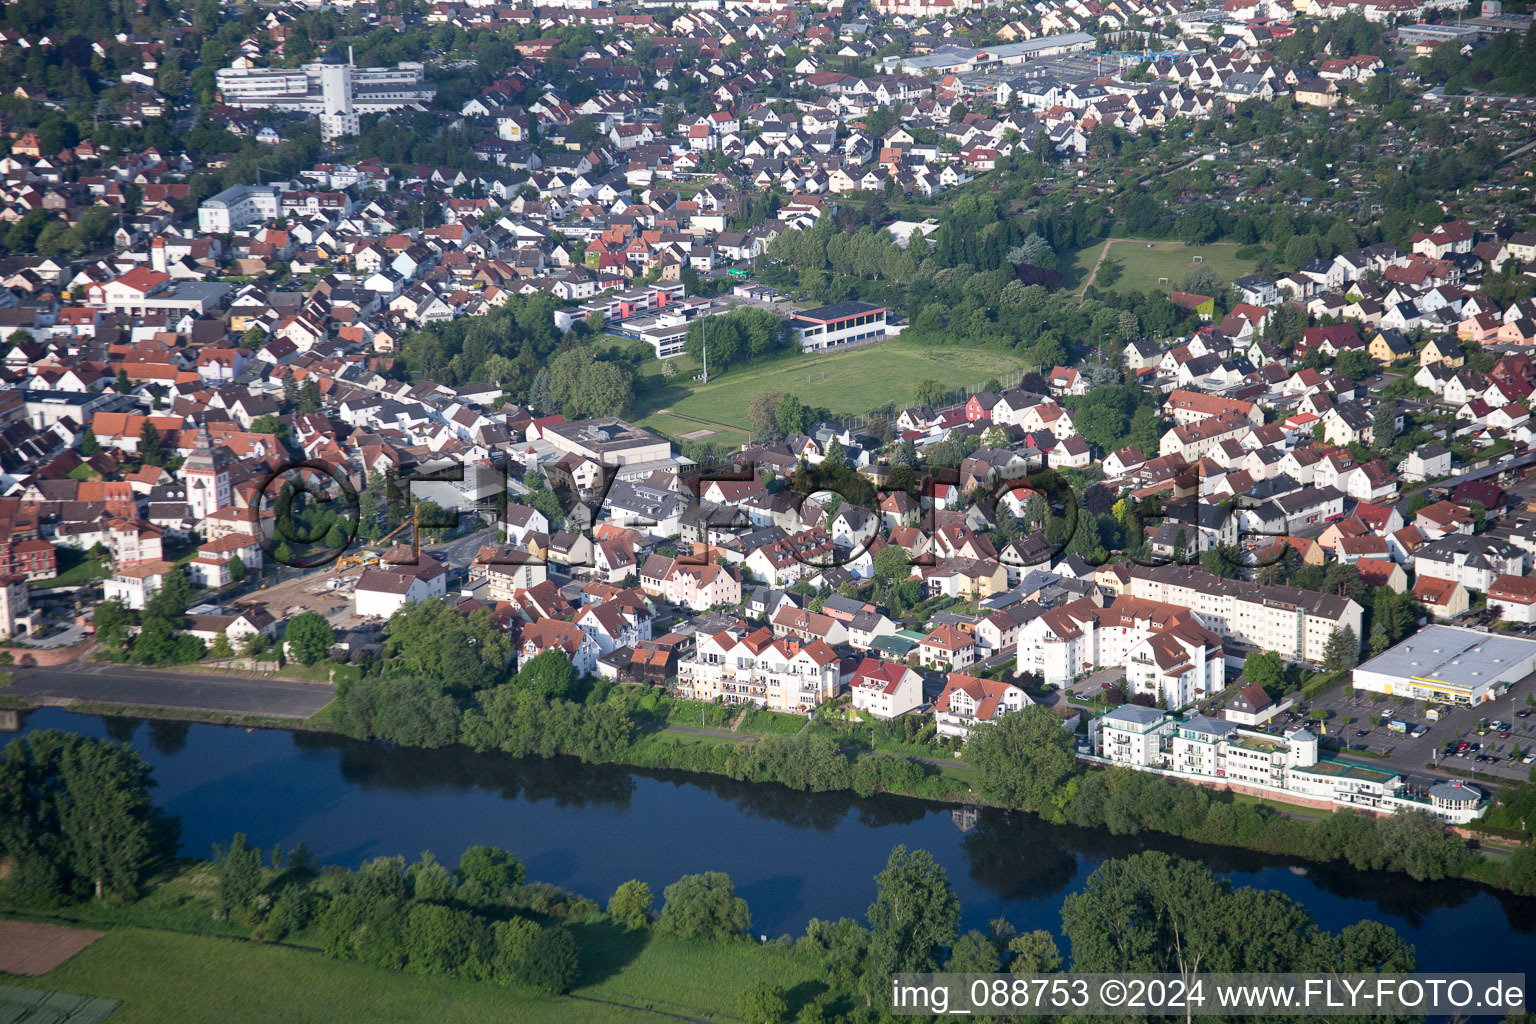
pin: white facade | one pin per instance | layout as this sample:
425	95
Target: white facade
1200	748
780	675
1448	664
1293	623
332	90
238	207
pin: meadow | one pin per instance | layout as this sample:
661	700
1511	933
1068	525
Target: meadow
1142	268
164	977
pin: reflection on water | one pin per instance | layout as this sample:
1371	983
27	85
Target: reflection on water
792	855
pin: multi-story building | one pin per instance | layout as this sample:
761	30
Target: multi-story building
756	669
842	323
238	207
968	701
886	689
332	89
1209	750
1474	562
1296	624
1168	651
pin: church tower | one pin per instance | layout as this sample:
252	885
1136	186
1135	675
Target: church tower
206	477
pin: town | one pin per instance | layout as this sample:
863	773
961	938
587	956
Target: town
884	374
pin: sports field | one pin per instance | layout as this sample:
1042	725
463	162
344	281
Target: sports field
847	382
1142	268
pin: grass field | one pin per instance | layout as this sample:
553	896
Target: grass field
1141	267
165	977
847	382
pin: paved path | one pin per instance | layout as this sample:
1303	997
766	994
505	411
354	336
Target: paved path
139	687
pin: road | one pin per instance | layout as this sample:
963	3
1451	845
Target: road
186	691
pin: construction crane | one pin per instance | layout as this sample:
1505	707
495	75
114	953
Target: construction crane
372	558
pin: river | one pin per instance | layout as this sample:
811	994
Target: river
793	856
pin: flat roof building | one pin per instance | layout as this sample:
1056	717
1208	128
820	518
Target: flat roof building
1449	664
838	325
609	441
331	89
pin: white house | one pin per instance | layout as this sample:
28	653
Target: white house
384	590
886	689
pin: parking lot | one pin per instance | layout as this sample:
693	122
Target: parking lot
1362	724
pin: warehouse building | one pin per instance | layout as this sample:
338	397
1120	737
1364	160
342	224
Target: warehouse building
1449	664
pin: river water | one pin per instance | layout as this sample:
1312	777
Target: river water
793	856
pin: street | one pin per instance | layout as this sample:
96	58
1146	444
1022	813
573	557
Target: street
141	687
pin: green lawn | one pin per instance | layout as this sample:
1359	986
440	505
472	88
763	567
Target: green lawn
76	569
687	977
1142	268
164	977
846	382
765	721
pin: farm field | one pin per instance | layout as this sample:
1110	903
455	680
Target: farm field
1143	267
847	382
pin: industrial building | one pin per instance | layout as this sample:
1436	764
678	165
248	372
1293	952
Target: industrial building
332	89
1449	664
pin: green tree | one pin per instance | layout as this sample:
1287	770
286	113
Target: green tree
913	919
76	818
459	652
763	1003
309	637
704	907
792	416
928	392
1023	758
88	444
151	448
973	953
239	874
631	904
495	870
1342	651
124	385
528	956
221	646
549	674
237	568
892	563
1266	668
1034	953
112	620
270	425
1156	913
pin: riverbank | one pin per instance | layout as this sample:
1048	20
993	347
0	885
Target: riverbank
1160	805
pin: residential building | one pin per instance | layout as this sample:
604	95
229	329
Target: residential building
968	701
1290	767
886	689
